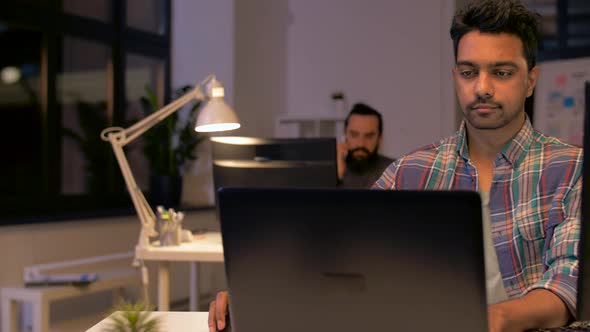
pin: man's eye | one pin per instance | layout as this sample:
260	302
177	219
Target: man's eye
503	73
467	73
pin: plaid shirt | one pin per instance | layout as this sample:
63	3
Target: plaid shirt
535	201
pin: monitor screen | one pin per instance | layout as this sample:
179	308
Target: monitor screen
583	306
274	162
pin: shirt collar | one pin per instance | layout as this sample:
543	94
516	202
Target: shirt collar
513	152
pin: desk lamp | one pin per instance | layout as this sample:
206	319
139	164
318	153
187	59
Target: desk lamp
216	115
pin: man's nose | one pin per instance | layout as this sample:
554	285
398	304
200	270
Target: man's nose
484	87
365	142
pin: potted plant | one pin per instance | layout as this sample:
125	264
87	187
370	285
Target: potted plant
168	145
98	156
133	317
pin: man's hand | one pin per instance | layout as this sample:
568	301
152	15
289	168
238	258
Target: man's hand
499	319
341	153
218	312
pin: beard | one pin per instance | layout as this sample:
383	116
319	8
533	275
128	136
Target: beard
360	165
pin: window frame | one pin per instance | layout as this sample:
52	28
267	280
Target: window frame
48	204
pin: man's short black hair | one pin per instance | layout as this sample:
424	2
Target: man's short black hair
497	16
364	109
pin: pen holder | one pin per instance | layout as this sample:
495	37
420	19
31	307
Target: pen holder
170	234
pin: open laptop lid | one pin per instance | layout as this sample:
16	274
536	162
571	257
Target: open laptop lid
353	260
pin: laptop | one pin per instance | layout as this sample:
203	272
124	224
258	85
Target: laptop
353	260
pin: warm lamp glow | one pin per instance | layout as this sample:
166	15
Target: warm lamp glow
217	127
237	140
10	74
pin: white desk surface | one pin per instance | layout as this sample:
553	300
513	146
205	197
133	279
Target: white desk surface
173	321
206	247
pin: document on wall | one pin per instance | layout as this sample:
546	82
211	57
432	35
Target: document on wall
559	99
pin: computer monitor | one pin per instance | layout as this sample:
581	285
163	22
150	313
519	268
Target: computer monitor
251	162
583	306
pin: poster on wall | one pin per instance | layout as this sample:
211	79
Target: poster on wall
559	99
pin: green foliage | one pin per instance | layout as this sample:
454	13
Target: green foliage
92	119
130	317
165	155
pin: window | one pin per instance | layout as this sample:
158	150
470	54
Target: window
68	69
565	28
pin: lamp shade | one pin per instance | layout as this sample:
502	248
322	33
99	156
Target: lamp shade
216	115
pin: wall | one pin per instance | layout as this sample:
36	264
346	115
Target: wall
394	55
260	64
202	42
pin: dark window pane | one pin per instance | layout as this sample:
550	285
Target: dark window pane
147	15
141	72
578	7
32	2
20	108
549	22
578	27
96	9
82	96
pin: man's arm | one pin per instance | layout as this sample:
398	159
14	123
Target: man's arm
539	308
551	302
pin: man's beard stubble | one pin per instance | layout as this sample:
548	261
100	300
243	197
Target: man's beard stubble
363	164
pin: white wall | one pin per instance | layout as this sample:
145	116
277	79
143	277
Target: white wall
203	42
281	56
394	55
260	64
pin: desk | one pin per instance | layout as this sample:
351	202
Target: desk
170	321
206	247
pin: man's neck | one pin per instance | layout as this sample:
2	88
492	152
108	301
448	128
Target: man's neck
484	145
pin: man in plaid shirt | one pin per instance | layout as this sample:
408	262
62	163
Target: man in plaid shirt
533	182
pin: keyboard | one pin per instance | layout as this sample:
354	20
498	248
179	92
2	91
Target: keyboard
575	326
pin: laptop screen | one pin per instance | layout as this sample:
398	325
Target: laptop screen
353	260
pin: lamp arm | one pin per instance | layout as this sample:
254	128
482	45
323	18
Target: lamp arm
119	137
143	209
136	130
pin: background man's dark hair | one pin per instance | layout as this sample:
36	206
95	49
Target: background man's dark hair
497	16
364	109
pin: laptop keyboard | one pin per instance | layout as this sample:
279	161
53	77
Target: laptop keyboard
576	326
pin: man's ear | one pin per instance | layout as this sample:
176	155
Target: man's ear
532	77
